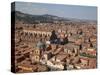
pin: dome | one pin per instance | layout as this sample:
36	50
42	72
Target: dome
41	45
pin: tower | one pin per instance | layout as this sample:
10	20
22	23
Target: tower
38	51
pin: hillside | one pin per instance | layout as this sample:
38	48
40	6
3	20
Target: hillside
27	18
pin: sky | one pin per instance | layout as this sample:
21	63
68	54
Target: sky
66	11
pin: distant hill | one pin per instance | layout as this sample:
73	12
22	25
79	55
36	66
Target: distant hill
46	18
27	18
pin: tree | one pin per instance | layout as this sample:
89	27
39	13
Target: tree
53	37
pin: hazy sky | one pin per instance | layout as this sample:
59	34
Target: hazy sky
67	11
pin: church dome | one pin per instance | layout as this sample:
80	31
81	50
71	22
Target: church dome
41	45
